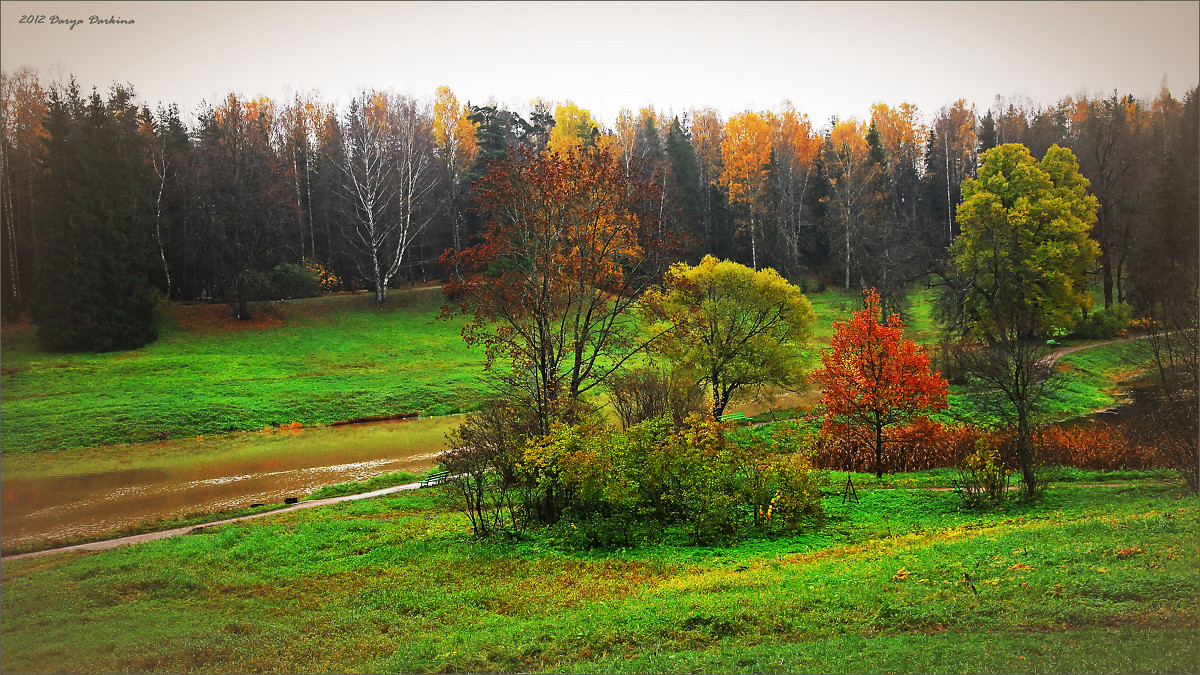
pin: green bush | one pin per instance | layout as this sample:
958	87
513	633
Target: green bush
984	473
1103	324
290	281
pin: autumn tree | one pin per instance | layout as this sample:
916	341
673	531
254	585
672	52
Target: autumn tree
454	137
875	380
736	328
302	121
387	184
573	129
902	135
1012	119
625	132
22	111
551	283
707	135
951	155
244	192
792	174
849	175
745	154
1020	265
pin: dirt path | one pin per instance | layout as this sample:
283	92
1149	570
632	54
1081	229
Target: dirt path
164	534
1063	351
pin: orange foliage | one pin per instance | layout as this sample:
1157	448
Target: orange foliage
708	132
454	132
849	140
918	446
745	153
795	142
1098	446
900	130
564	256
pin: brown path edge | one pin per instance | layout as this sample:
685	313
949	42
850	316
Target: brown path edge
108	544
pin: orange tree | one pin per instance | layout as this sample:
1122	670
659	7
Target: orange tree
566	250
875	380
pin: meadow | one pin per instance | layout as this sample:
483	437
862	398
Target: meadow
327	360
1095	578
315	362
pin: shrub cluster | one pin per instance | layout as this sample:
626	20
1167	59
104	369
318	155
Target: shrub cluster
1103	324
289	281
646	393
604	487
918	446
1099	446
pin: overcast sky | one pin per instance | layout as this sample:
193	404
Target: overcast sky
828	58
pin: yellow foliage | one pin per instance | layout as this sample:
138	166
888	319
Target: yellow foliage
574	128
453	132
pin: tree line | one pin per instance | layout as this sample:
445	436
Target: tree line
108	203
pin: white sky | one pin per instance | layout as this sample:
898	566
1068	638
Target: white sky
828	58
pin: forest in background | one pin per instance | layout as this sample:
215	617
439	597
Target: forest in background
108	204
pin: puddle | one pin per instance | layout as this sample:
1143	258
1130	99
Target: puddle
47	496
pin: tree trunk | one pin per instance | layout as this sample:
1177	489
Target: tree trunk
949	206
846	283
879	452
162	186
718	405
753	244
1025	452
243	304
380	280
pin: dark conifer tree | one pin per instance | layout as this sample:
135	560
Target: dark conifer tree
94	289
933	196
987	133
685	209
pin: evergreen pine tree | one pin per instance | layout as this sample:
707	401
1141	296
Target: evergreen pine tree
94	288
987	133
685	218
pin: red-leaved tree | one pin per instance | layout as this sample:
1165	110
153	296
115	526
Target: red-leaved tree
876	381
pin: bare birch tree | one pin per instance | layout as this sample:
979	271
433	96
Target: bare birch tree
388	180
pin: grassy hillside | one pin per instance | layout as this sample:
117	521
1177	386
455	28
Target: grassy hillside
320	361
1092	579
313	361
310	361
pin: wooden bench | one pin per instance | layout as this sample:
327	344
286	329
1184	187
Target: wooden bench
435	478
734	417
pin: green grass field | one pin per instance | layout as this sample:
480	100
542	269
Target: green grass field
313	361
1088	380
1091	579
330	359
